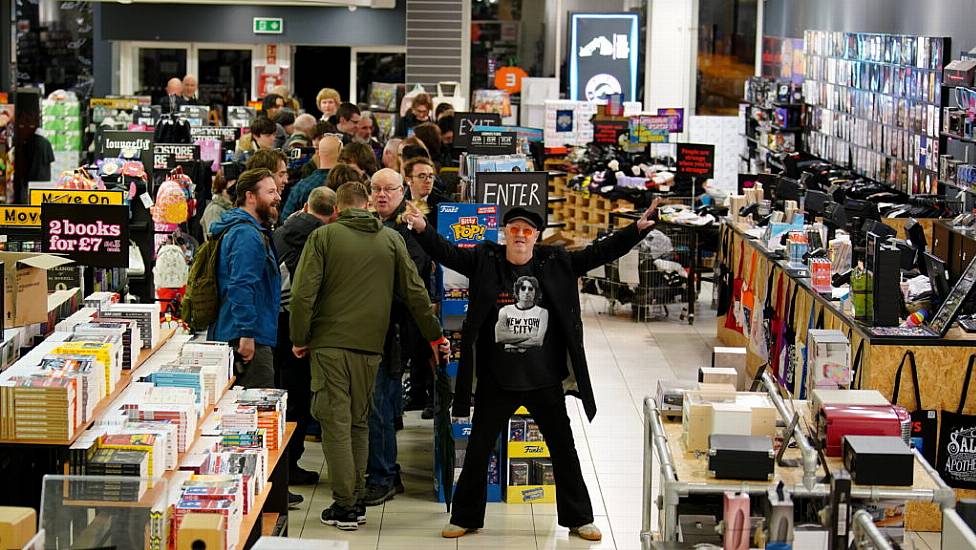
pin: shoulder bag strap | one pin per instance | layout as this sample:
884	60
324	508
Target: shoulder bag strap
820	318
965	384
856	372
791	311
769	288
910	356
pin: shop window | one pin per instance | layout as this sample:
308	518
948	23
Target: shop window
156	66
372	67
506	33
726	54
224	76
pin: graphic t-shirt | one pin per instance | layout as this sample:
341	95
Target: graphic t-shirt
526	348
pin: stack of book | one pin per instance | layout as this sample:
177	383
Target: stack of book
138	442
271	405
165	433
45	407
115	462
240	418
147	315
107	354
242	438
127	331
89	373
180	376
183	415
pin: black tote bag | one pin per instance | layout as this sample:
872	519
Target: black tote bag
925	422
725	275
957	442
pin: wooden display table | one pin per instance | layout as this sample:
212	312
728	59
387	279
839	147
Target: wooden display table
941	361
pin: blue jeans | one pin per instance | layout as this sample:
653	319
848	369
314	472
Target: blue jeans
382	467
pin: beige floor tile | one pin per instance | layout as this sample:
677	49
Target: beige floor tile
414	520
487	539
416	539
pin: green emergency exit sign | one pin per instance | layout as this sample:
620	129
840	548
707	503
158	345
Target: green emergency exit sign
269	25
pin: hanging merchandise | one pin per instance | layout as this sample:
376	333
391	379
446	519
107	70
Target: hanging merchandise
172	128
748	303
957	441
733	317
171	203
454	99
925	422
78	178
725	277
758	326
789	353
774	330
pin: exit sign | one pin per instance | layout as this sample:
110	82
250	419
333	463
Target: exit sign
269	25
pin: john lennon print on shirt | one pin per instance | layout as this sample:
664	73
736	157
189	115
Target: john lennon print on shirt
522	326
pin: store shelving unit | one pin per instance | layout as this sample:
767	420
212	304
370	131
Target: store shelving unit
527	450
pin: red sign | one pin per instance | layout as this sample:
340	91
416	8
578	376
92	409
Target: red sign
696	160
609	131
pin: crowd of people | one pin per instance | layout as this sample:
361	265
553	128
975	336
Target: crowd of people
326	280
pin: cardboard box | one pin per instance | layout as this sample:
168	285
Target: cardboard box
828	360
25	286
733	358
696	419
209	528
731	419
716	392
17	526
719	375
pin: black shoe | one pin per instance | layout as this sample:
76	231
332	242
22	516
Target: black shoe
360	513
294	500
428	413
398	423
398	485
378	494
343	518
299	476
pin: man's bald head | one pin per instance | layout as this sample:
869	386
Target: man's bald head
174	87
329	149
386	177
189	86
305	124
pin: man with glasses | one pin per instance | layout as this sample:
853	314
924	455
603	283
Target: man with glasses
382	470
349	116
524	314
419	172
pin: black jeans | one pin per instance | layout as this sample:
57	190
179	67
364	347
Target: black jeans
493	407
295	375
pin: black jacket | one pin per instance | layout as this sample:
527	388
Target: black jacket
558	268
403	331
289	239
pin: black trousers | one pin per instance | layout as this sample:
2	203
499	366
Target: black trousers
493	407
295	376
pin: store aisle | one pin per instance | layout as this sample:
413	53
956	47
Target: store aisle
626	361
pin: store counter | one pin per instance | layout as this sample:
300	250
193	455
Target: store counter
941	362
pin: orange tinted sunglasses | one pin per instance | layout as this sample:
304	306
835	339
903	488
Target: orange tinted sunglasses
516	231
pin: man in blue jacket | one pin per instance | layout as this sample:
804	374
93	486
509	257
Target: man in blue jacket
248	279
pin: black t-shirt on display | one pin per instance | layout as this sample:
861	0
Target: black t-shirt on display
526	351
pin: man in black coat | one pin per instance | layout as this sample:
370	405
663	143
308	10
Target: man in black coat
294	374
524	332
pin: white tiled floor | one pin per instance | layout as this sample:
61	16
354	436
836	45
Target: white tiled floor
625	361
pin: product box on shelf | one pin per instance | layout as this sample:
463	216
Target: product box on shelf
836	421
25	287
671	394
828	360
879	460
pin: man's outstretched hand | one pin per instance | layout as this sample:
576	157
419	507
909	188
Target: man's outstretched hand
645	220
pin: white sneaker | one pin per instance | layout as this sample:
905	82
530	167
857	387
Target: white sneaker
587	532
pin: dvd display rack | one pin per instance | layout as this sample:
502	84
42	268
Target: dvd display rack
875	105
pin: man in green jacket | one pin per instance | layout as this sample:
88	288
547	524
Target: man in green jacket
340	308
